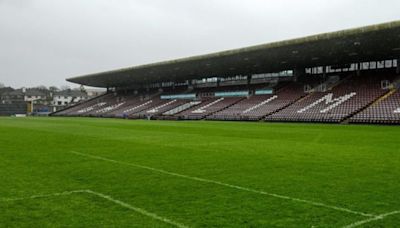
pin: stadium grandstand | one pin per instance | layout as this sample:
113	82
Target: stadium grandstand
349	76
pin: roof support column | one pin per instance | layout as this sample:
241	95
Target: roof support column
358	69
398	66
190	84
298	73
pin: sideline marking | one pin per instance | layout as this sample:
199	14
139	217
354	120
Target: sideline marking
378	217
226	185
103	196
42	196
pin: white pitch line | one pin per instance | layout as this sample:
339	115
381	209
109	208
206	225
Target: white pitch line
137	209
42	196
378	217
103	196
227	185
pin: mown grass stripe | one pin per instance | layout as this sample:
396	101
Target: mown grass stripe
226	185
103	196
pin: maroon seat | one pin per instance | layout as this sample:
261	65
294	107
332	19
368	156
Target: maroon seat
208	107
385	111
258	106
335	105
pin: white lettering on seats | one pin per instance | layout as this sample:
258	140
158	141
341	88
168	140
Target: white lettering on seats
90	108
260	104
328	99
110	108
202	109
138	106
154	110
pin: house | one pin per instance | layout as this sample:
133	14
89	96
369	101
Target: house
12	96
36	96
66	97
41	100
4	94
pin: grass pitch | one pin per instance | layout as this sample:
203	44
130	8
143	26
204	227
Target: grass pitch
86	172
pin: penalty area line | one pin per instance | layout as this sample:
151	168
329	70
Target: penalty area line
226	185
103	196
376	218
42	196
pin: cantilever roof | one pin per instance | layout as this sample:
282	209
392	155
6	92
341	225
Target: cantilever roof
374	42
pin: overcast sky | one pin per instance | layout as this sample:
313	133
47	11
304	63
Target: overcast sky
42	42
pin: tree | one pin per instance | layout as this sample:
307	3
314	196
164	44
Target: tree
2	85
41	87
65	87
82	89
53	89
